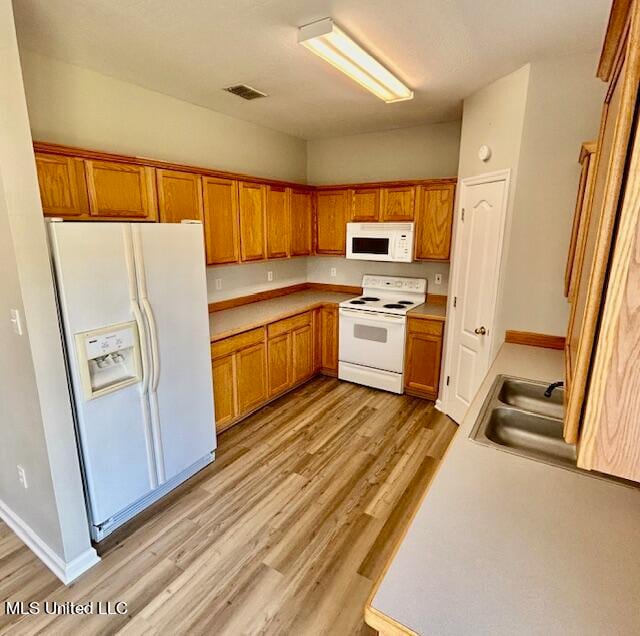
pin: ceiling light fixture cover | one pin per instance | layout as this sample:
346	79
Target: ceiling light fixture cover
333	45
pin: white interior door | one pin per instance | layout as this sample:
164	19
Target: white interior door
170	265
478	252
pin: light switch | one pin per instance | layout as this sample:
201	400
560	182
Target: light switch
16	321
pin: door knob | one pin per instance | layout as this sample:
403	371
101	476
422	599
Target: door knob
480	331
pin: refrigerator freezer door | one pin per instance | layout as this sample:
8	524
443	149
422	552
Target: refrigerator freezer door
96	282
172	284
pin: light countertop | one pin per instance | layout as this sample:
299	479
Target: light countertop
503	544
229	322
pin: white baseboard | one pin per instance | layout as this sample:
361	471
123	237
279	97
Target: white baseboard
440	406
67	572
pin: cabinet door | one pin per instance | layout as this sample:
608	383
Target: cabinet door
121	190
63	186
221	220
317	339
398	204
302	353
280	363
330	340
179	196
301	223
422	369
365	204
278	222
224	391
252	197
331	218
578	229
251	377
433	222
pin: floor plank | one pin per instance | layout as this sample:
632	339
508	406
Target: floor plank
284	534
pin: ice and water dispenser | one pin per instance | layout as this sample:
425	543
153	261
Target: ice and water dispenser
108	358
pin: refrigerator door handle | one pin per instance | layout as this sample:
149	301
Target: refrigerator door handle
155	354
144	354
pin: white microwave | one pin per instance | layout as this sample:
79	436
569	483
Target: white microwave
380	242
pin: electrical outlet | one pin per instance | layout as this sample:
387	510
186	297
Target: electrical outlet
22	477
269	275
16	321
334	272
218	283
438	279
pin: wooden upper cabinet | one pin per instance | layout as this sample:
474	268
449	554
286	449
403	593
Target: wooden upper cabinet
63	186
365	204
301	220
179	196
434	220
278	222
331	218
252	203
580	216
398	203
221	220
121	190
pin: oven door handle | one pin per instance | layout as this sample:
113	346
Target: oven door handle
371	316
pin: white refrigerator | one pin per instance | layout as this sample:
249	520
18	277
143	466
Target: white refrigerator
133	310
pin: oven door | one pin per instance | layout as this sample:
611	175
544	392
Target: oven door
370	246
372	339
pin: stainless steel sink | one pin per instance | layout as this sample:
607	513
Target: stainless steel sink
518	418
529	396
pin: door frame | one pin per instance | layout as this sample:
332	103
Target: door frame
442	403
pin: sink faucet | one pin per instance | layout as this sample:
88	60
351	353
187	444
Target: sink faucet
552	387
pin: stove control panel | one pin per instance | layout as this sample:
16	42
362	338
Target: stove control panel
396	283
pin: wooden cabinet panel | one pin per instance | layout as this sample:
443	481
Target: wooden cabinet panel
221	220
317	339
278	222
434	220
251	377
301	222
365	204
224	391
423	356
121	190
280	364
398	204
63	185
330	340
252	198
331	218
302	342
179	196
580	216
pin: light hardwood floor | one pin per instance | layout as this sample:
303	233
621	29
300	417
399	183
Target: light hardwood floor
284	534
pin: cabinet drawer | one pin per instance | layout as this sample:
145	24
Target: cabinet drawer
420	325
289	324
237	343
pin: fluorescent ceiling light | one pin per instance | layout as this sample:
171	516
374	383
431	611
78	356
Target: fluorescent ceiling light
333	45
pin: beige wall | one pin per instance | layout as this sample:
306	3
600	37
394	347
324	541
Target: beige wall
420	152
563	109
75	106
36	424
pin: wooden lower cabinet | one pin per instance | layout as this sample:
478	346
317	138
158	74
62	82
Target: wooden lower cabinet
224	394
423	357
280	364
251	377
329	340
302	346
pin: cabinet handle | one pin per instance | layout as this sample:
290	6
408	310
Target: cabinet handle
480	331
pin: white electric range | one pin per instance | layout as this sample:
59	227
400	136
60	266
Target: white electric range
373	330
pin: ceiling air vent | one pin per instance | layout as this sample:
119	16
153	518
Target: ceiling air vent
244	91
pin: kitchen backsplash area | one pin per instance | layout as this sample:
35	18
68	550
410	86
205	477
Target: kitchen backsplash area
232	281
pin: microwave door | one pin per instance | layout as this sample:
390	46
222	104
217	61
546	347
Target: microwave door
370	248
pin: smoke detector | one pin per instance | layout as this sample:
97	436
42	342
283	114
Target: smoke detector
245	91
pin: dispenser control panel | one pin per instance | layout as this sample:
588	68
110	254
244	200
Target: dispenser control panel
108	358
